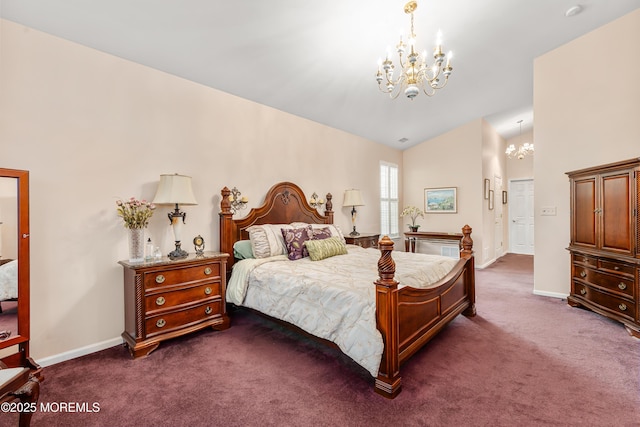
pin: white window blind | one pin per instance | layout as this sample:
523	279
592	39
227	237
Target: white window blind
389	200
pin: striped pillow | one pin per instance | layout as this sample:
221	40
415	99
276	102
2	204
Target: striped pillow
325	248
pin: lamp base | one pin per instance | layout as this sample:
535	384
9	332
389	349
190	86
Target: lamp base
178	253
354	232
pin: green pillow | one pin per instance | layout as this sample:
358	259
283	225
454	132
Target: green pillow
325	248
242	249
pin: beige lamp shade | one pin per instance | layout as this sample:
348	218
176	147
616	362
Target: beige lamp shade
174	189
352	198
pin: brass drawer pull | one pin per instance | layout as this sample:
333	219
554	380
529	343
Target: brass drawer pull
583	291
207	271
159	278
583	274
208	290
160	301
160	323
622	286
208	310
622	307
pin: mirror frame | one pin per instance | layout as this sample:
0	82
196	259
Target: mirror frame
21	339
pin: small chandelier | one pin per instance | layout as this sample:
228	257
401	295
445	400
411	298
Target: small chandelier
522	151
415	73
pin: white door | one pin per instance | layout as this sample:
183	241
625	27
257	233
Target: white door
521	216
497	216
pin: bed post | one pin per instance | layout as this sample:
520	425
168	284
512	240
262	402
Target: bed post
328	212
467	252
388	382
227	227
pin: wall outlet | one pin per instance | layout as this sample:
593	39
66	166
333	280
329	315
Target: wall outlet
548	211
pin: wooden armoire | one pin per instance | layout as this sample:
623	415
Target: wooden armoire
605	257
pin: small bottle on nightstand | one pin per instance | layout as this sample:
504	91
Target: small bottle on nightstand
148	250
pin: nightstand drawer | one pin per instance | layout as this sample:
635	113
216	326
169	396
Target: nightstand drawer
167	322
156	279
168	299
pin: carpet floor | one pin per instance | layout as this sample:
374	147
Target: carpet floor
523	360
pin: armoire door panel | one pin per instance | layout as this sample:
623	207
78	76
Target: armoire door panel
584	232
616	213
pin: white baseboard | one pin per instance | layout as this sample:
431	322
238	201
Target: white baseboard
83	351
486	264
550	294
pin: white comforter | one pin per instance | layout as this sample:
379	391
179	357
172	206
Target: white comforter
9	280
334	298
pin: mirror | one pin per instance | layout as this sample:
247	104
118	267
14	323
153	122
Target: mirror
14	267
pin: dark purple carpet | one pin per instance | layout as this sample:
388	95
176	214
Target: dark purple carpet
523	360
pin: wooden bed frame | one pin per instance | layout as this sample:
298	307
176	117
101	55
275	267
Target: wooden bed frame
407	317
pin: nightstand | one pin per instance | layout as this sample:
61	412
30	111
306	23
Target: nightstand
365	240
169	298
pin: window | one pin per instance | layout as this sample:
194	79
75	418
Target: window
389	200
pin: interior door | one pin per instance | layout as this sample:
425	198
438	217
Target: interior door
521	224
498	217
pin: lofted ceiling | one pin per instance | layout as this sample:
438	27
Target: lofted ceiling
318	59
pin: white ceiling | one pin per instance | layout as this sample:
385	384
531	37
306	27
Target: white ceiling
317	59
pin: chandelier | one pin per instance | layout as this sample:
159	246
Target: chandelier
522	151
415	73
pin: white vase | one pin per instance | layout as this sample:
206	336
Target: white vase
136	244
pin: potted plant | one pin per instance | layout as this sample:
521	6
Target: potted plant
413	212
135	214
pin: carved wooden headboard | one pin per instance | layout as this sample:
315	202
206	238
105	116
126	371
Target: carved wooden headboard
284	203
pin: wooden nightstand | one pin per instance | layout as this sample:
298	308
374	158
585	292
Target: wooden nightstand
169	298
365	240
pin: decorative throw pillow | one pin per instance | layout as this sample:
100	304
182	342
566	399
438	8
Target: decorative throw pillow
325	248
321	233
242	249
266	240
294	239
334	229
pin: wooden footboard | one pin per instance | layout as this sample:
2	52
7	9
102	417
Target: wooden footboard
408	317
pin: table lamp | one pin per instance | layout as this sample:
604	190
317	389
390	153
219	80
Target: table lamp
353	198
175	190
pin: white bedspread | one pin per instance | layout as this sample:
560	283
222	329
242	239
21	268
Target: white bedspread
334	298
9	280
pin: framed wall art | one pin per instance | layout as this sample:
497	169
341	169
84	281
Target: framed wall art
491	200
487	187
504	197
440	200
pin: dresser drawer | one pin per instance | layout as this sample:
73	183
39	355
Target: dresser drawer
615	304
615	283
585	260
163	323
617	267
165	299
155	279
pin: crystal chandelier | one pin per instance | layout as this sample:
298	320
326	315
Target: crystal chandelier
522	151
415	73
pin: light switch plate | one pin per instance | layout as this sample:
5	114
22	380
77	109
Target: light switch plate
548	211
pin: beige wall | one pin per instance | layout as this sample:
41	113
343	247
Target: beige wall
586	110
458	158
92	128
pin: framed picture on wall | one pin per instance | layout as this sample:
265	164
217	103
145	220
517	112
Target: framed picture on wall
490	200
487	187
504	197
440	200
